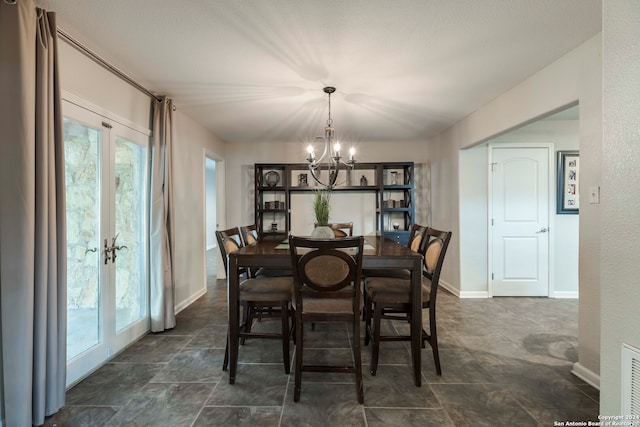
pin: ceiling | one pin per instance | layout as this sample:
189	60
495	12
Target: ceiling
253	70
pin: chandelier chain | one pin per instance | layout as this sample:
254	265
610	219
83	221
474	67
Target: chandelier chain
329	120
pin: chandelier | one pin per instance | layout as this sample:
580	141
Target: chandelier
332	151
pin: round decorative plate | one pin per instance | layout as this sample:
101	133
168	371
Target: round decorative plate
272	178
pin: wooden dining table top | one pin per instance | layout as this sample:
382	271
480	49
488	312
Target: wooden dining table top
274	250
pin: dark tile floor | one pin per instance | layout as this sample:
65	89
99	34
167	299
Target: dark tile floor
505	362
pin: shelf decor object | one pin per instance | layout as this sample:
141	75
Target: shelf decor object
272	178
331	151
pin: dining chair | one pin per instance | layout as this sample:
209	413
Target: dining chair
340	229
326	275
390	298
260	297
250	236
249	233
415	240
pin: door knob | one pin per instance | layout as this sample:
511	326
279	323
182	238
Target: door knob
543	230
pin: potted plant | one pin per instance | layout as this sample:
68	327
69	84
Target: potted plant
321	209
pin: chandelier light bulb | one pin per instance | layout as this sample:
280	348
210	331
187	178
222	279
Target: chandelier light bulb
336	149
352	153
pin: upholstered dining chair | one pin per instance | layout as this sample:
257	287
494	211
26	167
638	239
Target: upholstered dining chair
390	298
249	234
260	297
326	276
342	229
415	240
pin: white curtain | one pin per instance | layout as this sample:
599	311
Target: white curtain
162	292
32	216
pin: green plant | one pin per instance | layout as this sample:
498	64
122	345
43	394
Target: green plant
321	207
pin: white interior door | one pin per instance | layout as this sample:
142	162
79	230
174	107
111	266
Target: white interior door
520	221
107	286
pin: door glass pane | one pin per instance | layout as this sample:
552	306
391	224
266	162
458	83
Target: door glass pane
81	154
130	194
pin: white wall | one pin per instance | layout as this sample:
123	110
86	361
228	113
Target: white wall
85	78
620	193
574	77
191	141
474	208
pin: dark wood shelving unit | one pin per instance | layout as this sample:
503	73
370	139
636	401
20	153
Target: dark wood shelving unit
392	182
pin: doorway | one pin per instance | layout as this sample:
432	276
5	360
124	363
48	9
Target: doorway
560	128
106	176
211	219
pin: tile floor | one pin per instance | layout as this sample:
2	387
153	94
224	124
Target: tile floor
505	362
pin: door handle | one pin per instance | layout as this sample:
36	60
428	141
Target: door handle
542	230
107	252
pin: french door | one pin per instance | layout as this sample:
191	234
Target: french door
107	286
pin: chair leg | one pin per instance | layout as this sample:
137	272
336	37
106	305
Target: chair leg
434	341
375	345
364	300
285	336
298	374
245	326
225	364
358	359
367	319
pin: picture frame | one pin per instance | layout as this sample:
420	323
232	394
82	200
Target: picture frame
568	189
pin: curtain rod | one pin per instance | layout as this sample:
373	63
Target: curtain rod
66	37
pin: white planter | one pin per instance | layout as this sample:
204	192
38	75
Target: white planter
322	232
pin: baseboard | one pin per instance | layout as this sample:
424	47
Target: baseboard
464	294
450	288
586	375
186	303
566	294
474	294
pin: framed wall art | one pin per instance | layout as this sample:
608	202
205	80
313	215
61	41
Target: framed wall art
568	191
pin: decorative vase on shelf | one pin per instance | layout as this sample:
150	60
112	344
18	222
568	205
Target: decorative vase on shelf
363	181
394	178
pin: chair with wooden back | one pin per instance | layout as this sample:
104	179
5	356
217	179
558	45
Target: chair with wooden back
342	229
390	298
327	276
415	240
249	234
260	297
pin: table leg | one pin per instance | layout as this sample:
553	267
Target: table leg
232	298
416	320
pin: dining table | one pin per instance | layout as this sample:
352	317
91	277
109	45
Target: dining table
273	252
